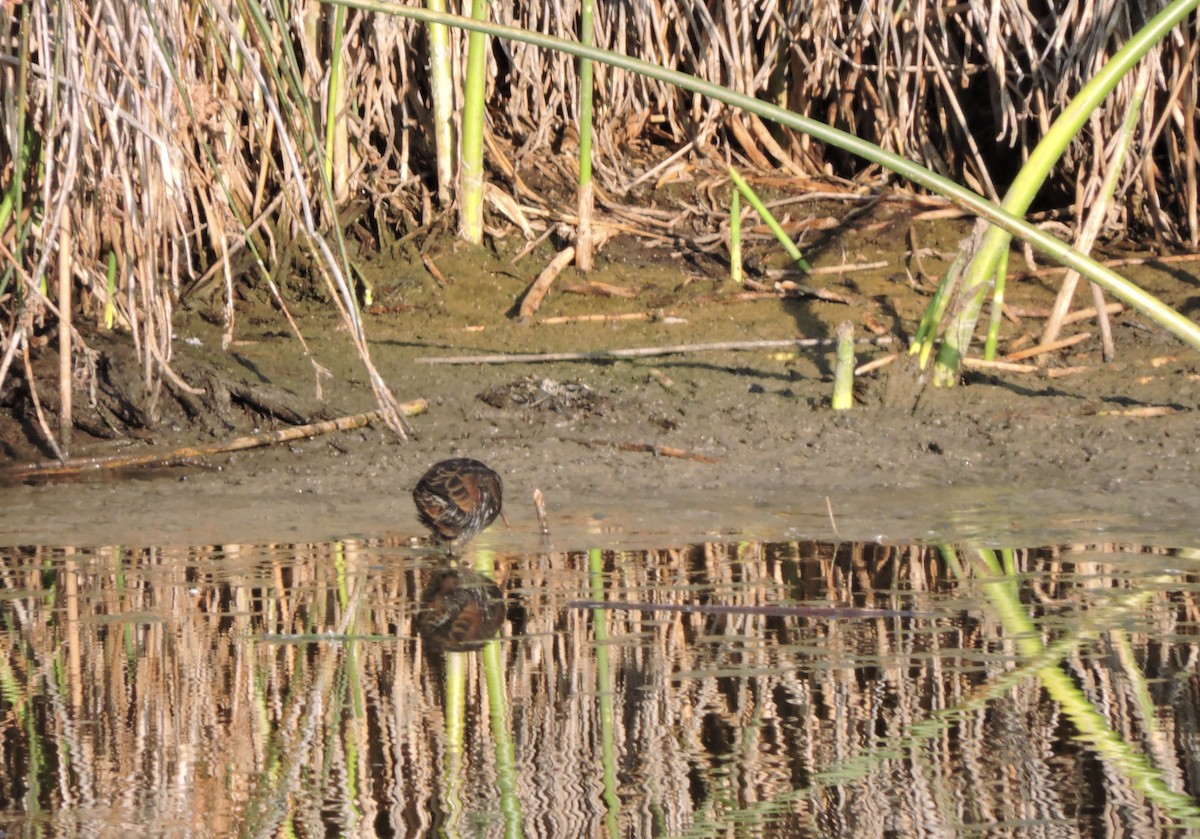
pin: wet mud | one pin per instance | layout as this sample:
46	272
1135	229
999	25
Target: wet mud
657	449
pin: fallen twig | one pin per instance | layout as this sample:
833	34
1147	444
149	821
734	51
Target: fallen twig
537	291
539	507
662	378
76	466
872	366
1061	372
1114	263
644	352
1139	413
998	366
1041	349
595	288
781	273
663	451
652	316
263	403
1082	314
434	271
789	289
649	448
37	406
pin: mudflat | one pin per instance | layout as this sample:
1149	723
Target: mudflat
659	448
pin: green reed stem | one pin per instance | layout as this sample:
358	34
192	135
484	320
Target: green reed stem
339	567
923	343
470	220
759	207
583	238
110	309
1118	286
336	140
735	236
441	84
506	753
843	368
987	260
21	158
993	333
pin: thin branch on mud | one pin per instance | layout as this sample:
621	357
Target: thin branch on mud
780	273
649	448
645	352
1145	412
263	403
537	291
539	507
1152	259
1062	372
787	290
1073	317
660	317
31	382
985	366
434	271
596	288
79	466
872	366
1042	349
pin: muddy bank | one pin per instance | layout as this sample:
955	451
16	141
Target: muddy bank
1014	459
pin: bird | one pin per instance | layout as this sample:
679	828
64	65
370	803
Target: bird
456	499
460	609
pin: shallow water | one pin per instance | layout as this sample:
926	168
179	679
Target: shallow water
774	689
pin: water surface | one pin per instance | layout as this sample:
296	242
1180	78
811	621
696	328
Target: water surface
783	689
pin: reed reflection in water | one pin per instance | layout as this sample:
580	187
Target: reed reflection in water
267	690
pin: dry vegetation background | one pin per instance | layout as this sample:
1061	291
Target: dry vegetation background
152	154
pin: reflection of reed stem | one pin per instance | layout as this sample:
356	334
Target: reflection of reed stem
505	751
1001	589
452	756
604	693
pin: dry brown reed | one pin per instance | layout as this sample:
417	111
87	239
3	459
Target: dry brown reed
183	683
182	141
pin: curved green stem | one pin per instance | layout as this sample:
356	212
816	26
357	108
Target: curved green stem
1029	180
1183	328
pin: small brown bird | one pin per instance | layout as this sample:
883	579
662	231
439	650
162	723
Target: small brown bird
456	499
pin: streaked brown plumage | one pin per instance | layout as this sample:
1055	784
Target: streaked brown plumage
460	609
456	499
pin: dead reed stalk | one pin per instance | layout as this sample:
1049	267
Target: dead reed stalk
170	140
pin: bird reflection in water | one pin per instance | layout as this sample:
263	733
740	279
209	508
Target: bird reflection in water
460	610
